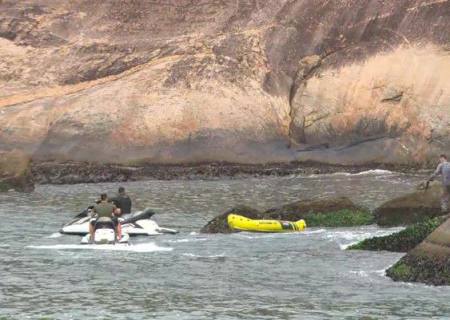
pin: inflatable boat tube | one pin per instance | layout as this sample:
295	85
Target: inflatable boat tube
237	222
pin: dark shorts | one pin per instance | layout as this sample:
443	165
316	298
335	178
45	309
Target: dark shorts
93	221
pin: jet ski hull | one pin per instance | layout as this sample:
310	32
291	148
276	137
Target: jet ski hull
135	224
105	236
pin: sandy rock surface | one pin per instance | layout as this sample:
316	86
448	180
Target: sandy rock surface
343	82
15	172
410	208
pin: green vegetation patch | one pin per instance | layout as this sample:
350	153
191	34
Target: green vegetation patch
421	268
341	218
3	188
400	271
402	241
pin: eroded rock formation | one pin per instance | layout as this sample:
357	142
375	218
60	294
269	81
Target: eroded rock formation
413	207
15	172
345	82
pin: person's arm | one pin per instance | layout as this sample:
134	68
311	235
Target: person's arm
437	172
113	213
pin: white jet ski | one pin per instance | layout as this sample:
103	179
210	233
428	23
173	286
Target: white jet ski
105	234
134	224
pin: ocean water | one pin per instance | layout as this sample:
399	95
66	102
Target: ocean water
308	275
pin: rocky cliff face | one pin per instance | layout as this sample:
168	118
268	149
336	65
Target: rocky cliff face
346	82
15	172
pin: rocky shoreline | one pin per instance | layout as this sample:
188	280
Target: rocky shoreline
426	238
71	172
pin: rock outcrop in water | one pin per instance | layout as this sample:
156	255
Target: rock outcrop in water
402	241
220	225
413	207
331	212
345	82
15	172
429	262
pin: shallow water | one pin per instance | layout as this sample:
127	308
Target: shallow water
307	275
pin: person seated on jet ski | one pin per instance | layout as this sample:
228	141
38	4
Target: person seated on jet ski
122	201
104	208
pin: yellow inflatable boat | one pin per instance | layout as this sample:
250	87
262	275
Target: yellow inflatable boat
237	222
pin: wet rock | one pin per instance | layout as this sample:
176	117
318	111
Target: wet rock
402	241
332	212
220	225
297	210
78	172
69	172
429	262
15	172
413	207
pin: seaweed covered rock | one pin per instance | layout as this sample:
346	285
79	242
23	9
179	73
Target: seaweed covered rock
15	172
332	212
220	225
429	262
413	207
402	241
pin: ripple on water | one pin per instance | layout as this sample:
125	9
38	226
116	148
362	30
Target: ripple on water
195	276
141	247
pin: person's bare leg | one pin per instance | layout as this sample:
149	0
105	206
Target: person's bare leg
91	232
119	230
445	199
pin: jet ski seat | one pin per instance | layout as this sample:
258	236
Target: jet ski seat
104	222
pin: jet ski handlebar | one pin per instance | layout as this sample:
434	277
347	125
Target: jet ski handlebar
145	214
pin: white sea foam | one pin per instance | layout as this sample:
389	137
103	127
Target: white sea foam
349	237
345	246
377	172
141	247
381	272
55	235
360	273
191	255
313	231
374	172
186	240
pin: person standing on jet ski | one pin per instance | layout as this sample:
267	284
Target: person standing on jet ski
122	201
103	208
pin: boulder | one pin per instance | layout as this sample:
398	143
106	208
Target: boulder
410	208
220	225
402	241
331	212
15	172
429	262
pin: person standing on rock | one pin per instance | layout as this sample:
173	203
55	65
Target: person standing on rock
443	169
122	201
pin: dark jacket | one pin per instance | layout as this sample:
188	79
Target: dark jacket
123	202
